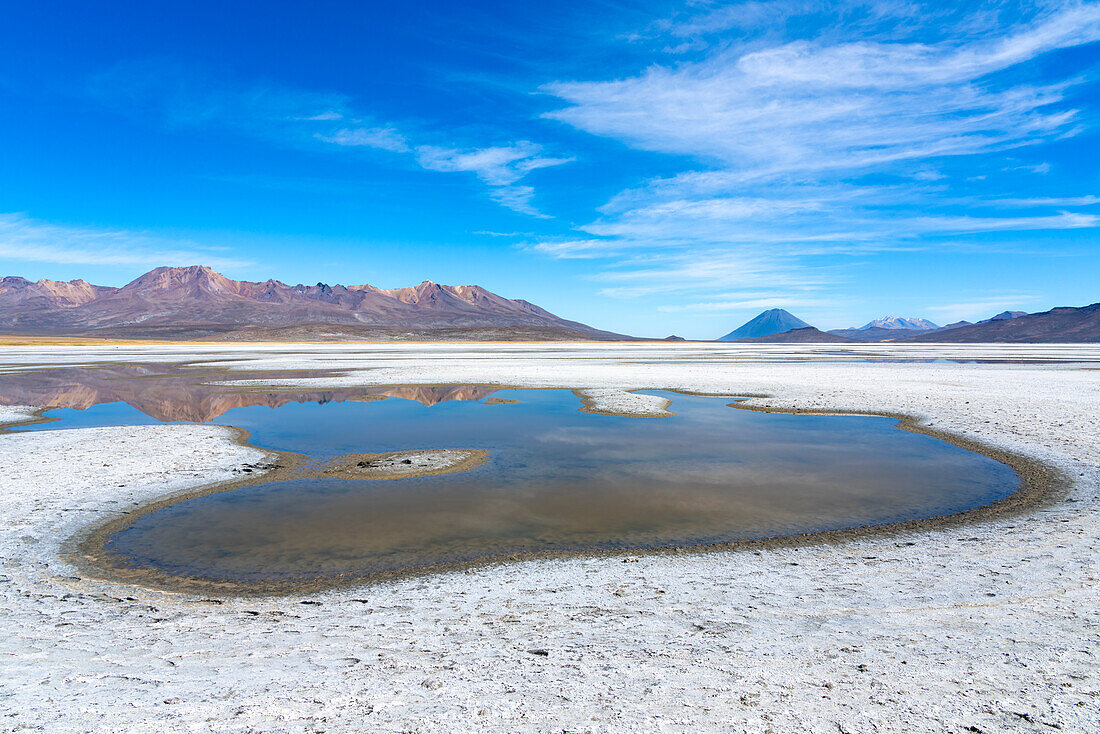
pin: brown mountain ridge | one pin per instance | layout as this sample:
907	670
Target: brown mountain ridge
1065	324
196	302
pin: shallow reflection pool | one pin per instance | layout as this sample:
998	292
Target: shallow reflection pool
556	480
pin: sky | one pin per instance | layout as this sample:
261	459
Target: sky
650	168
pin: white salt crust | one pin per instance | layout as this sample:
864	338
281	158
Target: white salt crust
993	626
621	402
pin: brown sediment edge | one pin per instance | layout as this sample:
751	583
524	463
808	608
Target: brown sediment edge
35	418
500	401
345	467
88	550
1040	485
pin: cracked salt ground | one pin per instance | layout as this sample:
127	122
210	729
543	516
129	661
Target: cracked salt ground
879	634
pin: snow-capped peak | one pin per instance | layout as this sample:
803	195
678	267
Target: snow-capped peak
898	322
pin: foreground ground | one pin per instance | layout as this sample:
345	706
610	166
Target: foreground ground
989	627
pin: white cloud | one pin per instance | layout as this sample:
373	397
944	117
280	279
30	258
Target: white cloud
1047	201
799	222
984	307
29	240
500	167
496	166
492	233
822	146
1064	220
517	198
755	16
736	16
764	302
279	115
385	138
326	115
805	106
299	118
576	249
708	271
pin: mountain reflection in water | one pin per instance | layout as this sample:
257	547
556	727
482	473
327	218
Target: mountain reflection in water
556	478
168	393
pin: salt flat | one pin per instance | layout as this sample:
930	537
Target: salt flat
988	627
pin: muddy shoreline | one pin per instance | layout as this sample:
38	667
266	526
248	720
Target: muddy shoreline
1039	486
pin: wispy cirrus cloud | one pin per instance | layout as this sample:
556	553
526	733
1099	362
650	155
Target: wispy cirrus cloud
496	166
771	300
666	273
576	249
984	306
25	239
838	142
965	224
701	23
384	138
185	98
800	220
806	106
1075	201
518	199
316	121
500	167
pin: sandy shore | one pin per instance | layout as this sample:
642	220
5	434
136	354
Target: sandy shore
992	626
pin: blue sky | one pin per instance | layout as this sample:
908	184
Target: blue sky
650	168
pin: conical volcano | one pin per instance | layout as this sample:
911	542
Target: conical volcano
772	321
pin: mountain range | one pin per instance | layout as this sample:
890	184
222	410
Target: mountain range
894	328
887	328
1065	324
196	302
897	322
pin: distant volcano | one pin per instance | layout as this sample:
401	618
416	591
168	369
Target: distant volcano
772	321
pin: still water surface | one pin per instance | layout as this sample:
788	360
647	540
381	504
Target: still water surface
557	480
